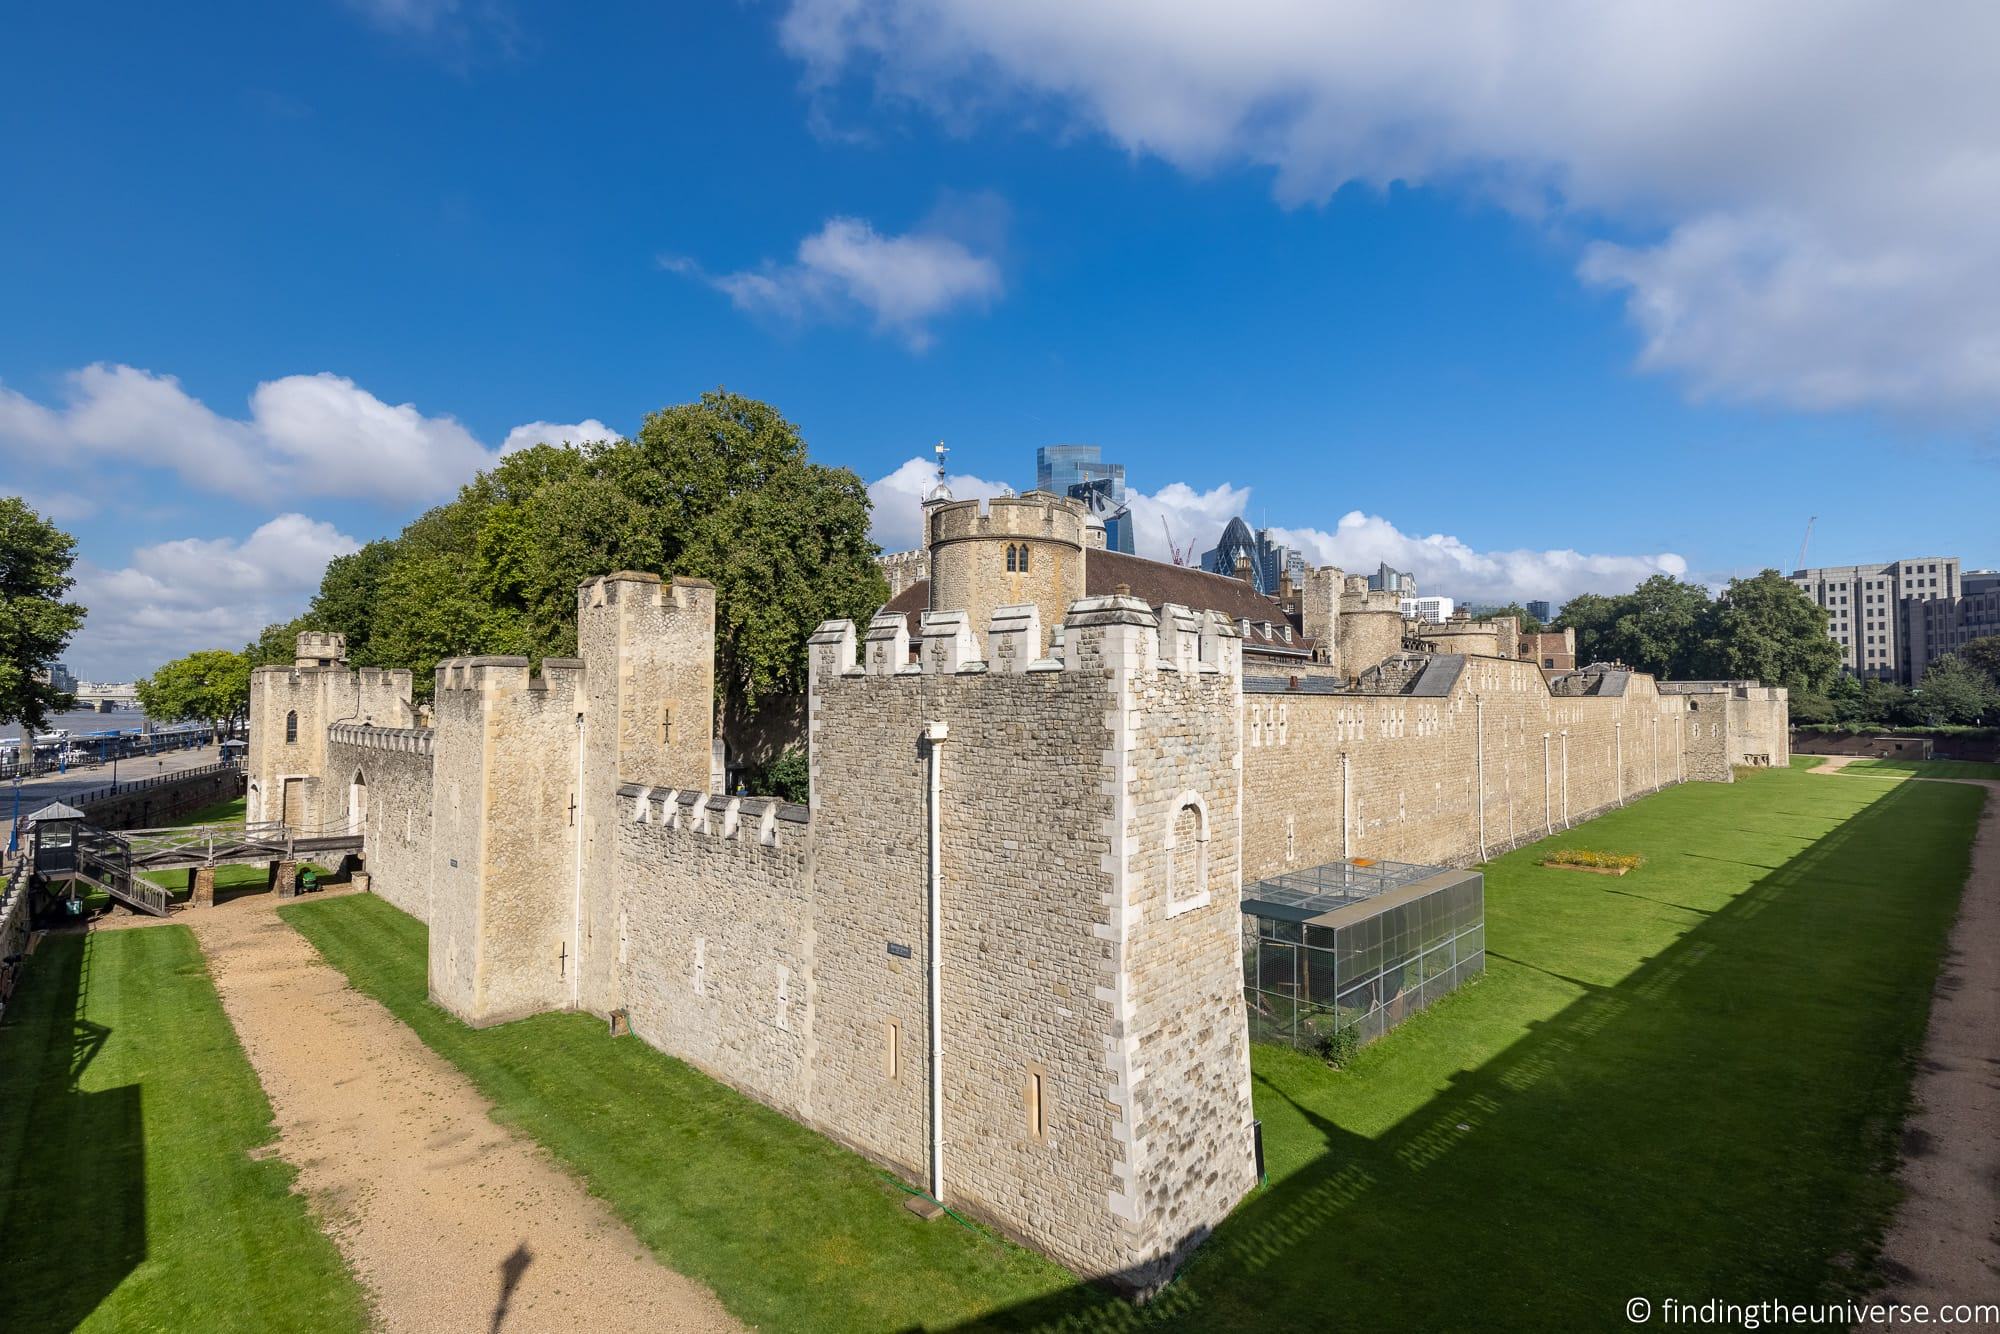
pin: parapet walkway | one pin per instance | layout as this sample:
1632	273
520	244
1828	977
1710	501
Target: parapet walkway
450	1221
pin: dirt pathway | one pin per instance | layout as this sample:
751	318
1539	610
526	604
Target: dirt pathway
1944	1245
451	1222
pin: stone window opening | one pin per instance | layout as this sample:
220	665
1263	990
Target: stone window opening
292	728
1024	558
1187	855
666	724
1010	558
892	1049
1035	1096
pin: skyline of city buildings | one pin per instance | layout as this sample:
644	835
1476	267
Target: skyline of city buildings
1270	560
1882	616
1080	472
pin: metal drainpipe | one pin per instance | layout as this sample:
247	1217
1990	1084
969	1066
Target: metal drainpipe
1548	811
1346	809
1479	750
576	906
1565	740
1618	751
935	733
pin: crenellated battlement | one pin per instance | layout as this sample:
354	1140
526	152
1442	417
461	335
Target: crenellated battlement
1038	515
410	740
499	677
1111	631
765	820
637	586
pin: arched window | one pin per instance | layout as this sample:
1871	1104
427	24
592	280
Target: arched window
1010	558
1024	558
292	728
1187	855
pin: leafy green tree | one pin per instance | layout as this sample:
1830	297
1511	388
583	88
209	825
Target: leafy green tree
276	645
349	596
35	622
1766	628
1529	624
1591	615
209	685
1663	628
1983	655
1953	692
784	540
720	489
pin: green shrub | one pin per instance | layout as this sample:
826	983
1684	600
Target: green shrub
1338	1047
788	778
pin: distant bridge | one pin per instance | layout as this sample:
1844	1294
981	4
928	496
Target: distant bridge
105	698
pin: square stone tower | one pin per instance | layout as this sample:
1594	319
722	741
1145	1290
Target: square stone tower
649	718
291	709
507	881
1093	1051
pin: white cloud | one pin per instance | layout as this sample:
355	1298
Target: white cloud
175	597
1195	518
902	283
550	433
306	436
1444	564
898	523
1357	543
1795	197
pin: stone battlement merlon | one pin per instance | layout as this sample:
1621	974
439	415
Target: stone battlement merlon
723	817
497	676
413	740
1192	642
1038	514
650	589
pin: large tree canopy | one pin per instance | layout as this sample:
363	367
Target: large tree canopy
35	622
1766	628
211	685
720	490
1762	627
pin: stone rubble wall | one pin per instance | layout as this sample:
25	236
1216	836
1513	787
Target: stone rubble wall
394	765
715	937
1415	766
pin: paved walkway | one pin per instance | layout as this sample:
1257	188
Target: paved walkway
1944	1245
451	1222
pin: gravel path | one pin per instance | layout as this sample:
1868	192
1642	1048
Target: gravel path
451	1222
1944	1245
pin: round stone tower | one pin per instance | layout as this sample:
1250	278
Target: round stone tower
1006	552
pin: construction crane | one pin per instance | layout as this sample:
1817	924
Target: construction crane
1180	557
1804	540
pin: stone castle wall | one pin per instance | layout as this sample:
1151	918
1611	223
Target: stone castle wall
506	879
1400	776
287	767
1106	787
715	937
391	805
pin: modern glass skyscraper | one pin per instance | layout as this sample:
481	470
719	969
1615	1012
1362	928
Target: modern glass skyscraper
1059	468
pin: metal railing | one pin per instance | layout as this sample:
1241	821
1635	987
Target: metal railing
110	790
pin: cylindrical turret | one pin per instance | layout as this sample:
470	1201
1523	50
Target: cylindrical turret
1009	551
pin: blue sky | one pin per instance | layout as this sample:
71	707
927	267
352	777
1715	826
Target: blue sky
1434	298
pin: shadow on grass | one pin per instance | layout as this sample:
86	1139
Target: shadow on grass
72	1161
1720	1122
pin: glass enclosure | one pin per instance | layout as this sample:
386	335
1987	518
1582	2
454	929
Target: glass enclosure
1358	945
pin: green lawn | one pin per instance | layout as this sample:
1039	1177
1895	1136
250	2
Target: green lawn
791	1230
1688	1081
1928	768
132	1192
